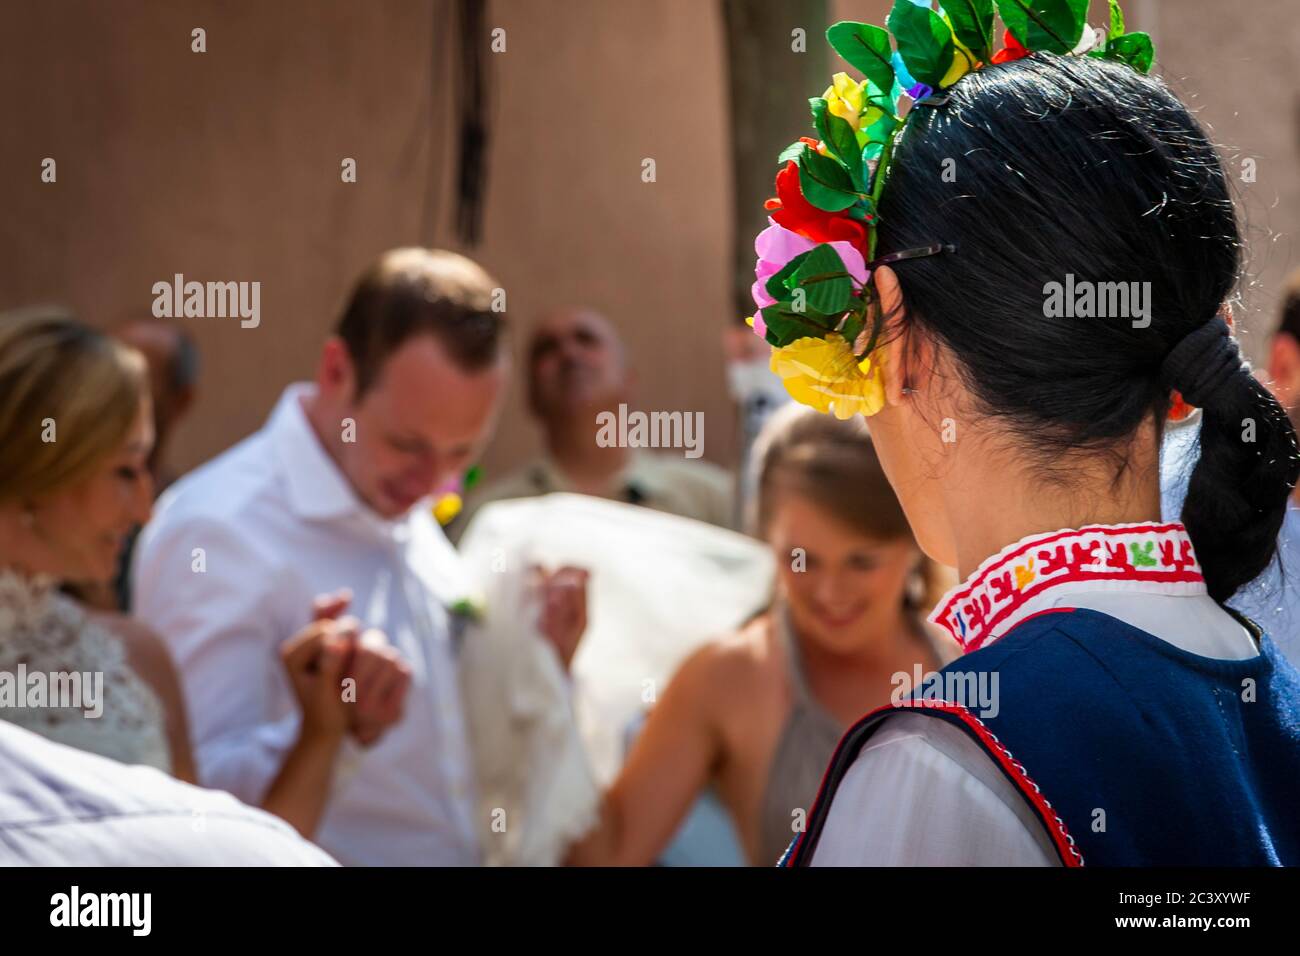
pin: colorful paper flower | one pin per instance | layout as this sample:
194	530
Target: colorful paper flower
844	177
904	79
797	214
1012	50
825	375
845	98
963	61
776	246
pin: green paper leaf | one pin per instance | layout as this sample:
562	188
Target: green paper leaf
924	41
778	285
1116	21
866	48
972	24
877	97
791	152
1051	25
1135	49
840	139
863	209
824	182
853	326
882	129
784	325
825	281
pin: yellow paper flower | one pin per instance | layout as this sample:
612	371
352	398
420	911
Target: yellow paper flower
844	98
823	374
963	61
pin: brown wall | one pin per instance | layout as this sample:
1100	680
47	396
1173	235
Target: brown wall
225	165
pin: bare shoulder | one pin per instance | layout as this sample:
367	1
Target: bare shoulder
736	667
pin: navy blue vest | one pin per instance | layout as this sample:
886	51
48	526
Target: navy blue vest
1130	751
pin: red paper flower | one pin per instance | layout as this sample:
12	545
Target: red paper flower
1013	50
791	210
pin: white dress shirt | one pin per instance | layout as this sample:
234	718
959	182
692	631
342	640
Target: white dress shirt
66	807
278	524
923	793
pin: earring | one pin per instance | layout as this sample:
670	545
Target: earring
916	589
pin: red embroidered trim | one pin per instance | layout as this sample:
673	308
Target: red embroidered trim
1015	770
973	611
1065	845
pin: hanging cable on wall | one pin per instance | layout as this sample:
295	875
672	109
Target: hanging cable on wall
471	99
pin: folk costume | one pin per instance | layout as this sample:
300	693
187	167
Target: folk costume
1117	681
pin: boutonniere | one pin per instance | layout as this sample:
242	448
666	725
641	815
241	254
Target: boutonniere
470	609
450	499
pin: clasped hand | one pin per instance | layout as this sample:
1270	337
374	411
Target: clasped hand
348	680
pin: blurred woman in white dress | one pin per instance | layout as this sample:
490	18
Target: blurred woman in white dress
75	435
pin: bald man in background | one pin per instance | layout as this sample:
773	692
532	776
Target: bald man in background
577	367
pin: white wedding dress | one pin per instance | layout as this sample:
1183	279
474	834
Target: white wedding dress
661	586
45	637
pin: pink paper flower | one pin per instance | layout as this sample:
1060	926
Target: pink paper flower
777	245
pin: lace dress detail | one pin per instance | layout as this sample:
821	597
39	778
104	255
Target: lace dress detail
45	638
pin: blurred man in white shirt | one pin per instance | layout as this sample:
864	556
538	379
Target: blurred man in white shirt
333	494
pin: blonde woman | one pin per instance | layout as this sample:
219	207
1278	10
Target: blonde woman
75	437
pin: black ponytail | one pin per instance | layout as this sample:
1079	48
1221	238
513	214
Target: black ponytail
1053	167
1236	498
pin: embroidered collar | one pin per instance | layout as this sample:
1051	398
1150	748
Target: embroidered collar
1021	579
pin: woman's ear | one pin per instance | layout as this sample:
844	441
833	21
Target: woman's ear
891	308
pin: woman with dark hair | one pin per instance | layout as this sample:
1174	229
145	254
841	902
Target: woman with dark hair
1137	721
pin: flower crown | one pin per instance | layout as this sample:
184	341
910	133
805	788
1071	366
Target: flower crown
815	259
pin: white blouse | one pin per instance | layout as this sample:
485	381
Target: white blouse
51	652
